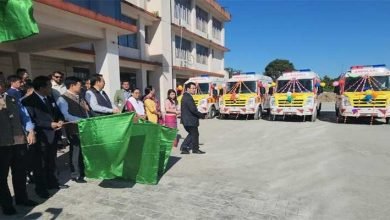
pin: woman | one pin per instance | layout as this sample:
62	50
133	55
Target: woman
171	109
134	104
152	112
171	112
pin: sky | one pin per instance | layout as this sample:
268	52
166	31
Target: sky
326	36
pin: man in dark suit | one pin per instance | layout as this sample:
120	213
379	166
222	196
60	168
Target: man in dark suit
190	119
48	121
16	131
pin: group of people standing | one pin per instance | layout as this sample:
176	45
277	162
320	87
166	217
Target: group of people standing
37	113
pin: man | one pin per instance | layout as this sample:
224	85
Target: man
58	86
48	121
74	108
15	83
122	95
97	99
23	74
85	88
190	119
16	131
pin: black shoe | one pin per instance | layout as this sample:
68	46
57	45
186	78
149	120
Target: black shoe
185	152
59	187
43	194
198	152
79	180
9	210
27	202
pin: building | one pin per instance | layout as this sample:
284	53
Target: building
151	42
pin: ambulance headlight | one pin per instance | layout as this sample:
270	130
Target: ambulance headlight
309	101
251	102
346	101
221	102
272	101
203	102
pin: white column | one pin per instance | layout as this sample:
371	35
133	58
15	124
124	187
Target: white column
193	53
174	80
193	15
210	27
24	61
165	32
107	61
223	35
141	79
210	60
141	37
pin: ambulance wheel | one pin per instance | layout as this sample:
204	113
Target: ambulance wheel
258	113
388	120
212	112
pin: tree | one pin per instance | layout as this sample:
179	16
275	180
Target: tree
231	71
329	83
276	68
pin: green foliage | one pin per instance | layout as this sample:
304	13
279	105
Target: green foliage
329	83
276	68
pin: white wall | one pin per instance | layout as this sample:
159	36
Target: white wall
129	52
45	65
217	61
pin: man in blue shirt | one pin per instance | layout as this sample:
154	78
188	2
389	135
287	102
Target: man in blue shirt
15	83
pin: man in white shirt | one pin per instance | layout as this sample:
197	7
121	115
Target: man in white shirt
97	99
57	84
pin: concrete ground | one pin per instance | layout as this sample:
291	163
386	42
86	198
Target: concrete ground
252	170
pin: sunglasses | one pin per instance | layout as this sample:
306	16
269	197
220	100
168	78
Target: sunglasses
57	77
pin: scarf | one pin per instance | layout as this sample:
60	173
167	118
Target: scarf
137	105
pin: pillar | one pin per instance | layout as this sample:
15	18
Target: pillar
107	61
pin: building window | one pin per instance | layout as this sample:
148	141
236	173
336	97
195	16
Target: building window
202	54
217	29
201	19
183	48
183	10
82	73
129	40
110	8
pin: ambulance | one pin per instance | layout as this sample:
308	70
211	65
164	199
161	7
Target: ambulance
208	91
245	94
363	91
297	94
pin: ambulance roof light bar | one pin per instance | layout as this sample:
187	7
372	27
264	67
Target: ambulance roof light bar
365	66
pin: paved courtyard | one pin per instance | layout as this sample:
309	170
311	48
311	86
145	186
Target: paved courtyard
252	170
